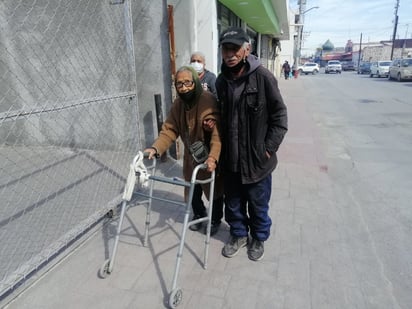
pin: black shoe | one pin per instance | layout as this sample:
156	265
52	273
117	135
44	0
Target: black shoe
214	228
233	246
197	226
256	250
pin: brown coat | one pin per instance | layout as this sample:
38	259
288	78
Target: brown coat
187	123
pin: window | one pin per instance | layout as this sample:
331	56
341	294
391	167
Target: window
406	62
384	63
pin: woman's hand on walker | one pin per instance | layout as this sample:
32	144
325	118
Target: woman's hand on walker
211	164
152	152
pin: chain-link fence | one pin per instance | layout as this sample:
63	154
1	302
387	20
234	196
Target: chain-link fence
68	124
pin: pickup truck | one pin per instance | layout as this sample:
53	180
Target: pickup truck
333	66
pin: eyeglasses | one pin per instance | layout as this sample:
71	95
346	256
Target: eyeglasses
186	83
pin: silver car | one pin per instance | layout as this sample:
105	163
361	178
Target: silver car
401	69
380	68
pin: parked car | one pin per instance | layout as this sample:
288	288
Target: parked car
380	68
364	68
348	66
309	67
333	66
401	69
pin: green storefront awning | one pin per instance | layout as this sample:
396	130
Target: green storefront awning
258	14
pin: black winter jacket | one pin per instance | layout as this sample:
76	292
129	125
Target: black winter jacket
254	120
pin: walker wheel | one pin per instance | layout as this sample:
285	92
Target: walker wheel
175	298
110	214
104	270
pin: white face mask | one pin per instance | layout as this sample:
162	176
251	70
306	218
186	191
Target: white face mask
197	66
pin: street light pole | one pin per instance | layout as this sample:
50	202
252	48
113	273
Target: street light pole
314	7
300	22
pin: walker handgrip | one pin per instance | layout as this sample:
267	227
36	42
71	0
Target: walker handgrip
195	172
203	166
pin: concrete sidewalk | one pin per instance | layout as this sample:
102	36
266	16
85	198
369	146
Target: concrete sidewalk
301	269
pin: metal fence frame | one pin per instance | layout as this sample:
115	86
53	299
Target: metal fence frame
68	127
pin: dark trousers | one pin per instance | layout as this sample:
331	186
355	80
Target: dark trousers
247	207
286	74
199	209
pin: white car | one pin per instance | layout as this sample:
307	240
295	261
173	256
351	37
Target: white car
333	66
380	68
309	67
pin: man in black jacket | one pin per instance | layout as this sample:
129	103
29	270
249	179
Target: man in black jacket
286	69
254	122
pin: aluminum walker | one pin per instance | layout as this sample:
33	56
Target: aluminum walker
145	177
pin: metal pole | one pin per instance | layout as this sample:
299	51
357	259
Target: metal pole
395	27
159	117
300	23
299	34
404	41
360	51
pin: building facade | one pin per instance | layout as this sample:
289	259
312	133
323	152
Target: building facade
167	32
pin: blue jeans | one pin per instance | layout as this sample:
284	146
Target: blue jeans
247	207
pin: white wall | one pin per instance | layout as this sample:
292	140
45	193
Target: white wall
207	40
195	25
288	46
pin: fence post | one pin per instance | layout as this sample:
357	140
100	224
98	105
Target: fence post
159	118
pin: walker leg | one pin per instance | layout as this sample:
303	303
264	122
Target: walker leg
180	251
148	212
176	293
209	222
110	265
207	237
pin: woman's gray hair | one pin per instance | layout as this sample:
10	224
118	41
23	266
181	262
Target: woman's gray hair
184	68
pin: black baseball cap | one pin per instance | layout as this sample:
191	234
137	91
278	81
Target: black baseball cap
233	35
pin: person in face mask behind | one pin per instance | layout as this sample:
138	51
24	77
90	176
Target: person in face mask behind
194	117
207	78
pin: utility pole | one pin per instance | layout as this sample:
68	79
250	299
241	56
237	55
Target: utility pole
360	51
302	4
395	27
404	41
299	23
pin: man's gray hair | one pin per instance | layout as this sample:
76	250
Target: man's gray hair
198	53
247	45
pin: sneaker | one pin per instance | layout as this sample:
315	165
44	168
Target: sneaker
256	250
233	246
197	226
214	228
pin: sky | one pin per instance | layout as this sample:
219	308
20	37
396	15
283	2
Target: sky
343	20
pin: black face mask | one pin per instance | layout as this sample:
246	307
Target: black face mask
188	96
236	69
